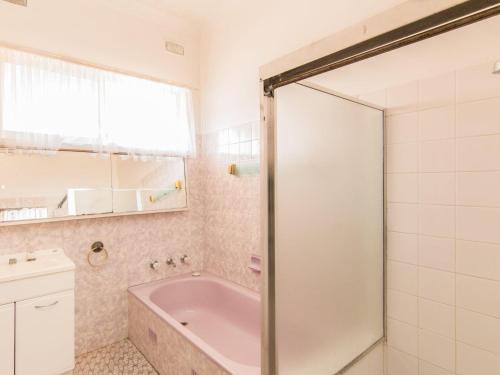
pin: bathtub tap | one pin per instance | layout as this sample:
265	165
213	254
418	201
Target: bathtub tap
170	262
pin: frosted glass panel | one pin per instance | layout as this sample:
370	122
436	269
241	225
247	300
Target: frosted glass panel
329	230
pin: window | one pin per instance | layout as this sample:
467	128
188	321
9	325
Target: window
49	104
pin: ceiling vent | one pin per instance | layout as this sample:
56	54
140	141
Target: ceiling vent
174	48
24	3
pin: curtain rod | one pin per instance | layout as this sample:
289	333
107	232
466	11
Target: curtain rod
463	14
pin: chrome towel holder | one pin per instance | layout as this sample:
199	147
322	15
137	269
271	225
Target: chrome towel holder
97	248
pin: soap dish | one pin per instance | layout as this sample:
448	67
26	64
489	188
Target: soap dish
255	263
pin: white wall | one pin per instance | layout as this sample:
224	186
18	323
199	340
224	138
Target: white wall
234	49
118	34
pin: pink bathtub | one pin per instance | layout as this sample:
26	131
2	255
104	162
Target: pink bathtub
220	318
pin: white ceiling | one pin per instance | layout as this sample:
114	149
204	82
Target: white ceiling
202	11
463	47
214	12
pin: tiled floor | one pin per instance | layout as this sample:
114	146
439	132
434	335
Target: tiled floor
121	358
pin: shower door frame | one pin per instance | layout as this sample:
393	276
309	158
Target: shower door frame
449	19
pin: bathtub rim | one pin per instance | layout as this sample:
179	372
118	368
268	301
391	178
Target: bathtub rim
142	293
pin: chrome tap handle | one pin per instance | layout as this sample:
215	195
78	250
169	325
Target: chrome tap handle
171	262
154	265
184	258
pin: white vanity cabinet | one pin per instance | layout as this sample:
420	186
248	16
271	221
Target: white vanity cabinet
45	334
37	314
7	339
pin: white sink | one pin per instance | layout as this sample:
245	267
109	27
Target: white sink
45	262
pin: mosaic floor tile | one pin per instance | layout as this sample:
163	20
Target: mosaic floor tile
121	358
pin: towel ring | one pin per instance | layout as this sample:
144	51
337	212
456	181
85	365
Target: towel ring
96	248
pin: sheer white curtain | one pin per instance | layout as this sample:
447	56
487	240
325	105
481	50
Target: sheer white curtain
48	104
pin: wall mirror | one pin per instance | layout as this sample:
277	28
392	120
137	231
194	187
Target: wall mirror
150	185
37	186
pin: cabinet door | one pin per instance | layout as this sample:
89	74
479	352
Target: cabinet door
7	339
45	329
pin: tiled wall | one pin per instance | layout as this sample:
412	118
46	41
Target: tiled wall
132	242
443	224
232	204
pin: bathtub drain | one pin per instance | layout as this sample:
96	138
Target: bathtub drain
184	323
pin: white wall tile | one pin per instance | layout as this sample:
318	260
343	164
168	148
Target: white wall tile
474	361
478	224
436	349
476	82
402	336
402	157
450	170
478	259
426	368
402	277
437	91
437	188
403	98
399	363
478	118
478	153
437	156
437	252
478	295
478	189
478	330
436	285
402	306
437	220
437	123
402	128
436	317
402	247
402	187
402	217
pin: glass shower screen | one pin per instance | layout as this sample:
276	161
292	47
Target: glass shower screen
329	219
